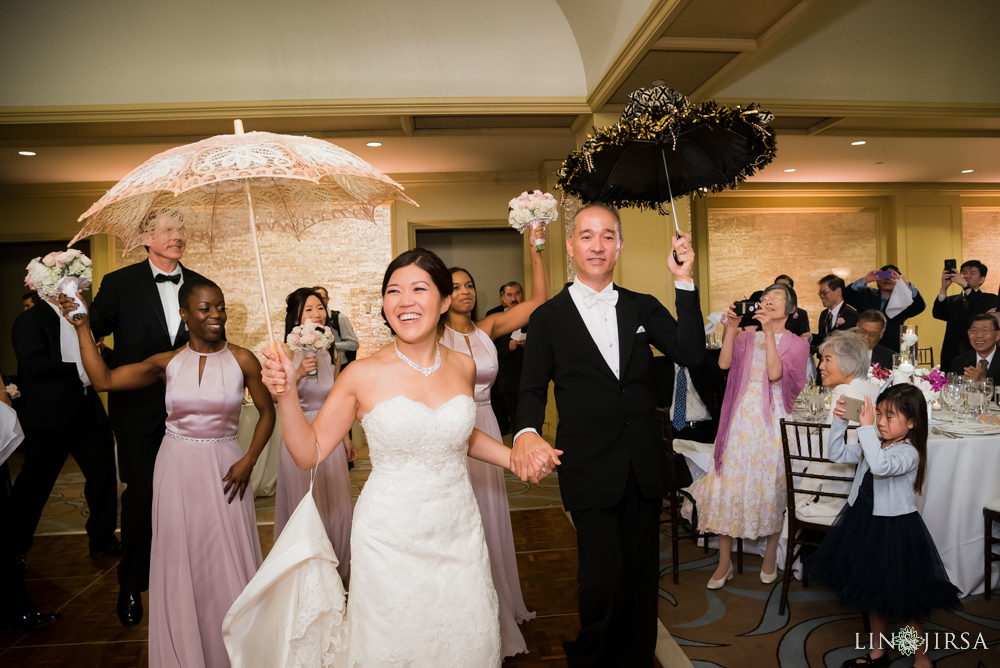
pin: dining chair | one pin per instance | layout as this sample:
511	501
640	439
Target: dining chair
925	357
675	497
991	514
803	443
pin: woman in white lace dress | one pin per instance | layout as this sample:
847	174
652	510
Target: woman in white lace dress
421	589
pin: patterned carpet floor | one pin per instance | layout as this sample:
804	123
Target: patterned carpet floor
731	628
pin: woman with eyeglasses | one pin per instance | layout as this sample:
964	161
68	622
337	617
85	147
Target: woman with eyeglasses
743	493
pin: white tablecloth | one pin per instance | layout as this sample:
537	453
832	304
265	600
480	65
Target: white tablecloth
962	476
265	474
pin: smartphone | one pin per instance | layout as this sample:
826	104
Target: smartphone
852	409
883	274
950	265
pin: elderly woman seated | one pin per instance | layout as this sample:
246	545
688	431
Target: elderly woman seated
843	367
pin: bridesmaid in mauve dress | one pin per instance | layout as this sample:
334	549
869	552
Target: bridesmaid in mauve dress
332	488
463	333
205	547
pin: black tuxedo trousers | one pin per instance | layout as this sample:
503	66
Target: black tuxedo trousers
614	468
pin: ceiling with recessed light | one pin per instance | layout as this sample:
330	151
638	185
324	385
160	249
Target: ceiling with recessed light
459	86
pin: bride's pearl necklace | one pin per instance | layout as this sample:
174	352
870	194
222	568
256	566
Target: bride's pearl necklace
416	367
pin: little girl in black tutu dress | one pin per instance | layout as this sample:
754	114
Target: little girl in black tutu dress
878	555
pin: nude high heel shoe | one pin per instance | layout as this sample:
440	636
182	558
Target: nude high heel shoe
719	584
769	578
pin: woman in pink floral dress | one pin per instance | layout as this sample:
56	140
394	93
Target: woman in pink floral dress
743	494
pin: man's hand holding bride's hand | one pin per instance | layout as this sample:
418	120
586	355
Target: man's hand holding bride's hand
532	458
277	369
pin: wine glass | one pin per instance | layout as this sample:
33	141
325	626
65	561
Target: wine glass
952	395
975	396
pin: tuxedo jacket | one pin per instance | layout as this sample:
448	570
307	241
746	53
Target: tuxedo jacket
956	311
970	358
798	322
510	364
882	356
850	317
52	394
870	298
128	306
606	424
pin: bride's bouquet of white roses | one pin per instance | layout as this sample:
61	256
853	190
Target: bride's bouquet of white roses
532	209
66	272
310	338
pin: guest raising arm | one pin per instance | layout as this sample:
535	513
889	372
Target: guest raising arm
192	517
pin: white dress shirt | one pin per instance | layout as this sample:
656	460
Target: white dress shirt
601	320
168	298
834	313
696	410
988	358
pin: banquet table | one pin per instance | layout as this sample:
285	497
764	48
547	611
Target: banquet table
265	474
962	476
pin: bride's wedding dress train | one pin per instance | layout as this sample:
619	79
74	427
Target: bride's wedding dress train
421	591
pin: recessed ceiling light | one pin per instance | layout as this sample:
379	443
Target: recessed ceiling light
26	153
374	144
659	82
789	171
968	171
860	142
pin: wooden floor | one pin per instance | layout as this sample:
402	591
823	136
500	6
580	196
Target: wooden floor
63	577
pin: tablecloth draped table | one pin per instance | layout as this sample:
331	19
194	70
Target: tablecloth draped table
962	476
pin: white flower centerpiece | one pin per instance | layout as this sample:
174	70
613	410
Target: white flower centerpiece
529	210
66	272
310	338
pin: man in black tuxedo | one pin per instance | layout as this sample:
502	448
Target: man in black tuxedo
592	340
61	415
862	298
871	326
510	357
957	309
836	315
138	305
981	362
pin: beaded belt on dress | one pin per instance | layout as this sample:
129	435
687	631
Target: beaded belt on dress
178	437
310	413
480	404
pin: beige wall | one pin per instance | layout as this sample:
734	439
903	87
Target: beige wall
981	241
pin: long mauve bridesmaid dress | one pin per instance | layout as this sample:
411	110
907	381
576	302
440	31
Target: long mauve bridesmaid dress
204	549
332	489
491	492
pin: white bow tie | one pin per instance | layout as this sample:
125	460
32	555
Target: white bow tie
609	298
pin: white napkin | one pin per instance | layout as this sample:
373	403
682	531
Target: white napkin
899	300
714	320
69	345
517	335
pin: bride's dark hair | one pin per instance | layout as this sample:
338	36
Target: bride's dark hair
427	261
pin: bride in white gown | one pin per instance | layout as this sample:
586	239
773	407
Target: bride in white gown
421	593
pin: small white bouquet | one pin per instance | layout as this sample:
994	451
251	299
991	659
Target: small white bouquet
66	272
531	210
11	389
310	338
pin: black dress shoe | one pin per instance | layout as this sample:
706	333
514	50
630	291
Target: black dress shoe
112	548
29	621
129	608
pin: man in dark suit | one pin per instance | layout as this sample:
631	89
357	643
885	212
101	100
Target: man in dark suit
836	315
138	305
871	326
592	340
798	322
61	415
510	356
862	298
696	418
957	309
981	362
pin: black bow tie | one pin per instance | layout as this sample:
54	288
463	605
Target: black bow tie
163	278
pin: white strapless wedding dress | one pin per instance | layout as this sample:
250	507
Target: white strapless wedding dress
421	590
